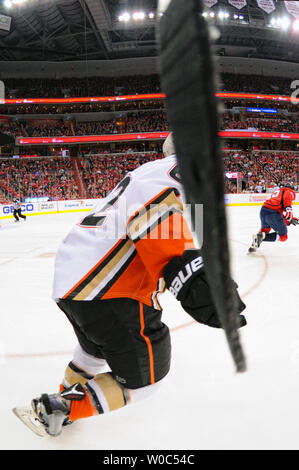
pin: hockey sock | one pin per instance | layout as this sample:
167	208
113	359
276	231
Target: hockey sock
82	368
74	374
83	408
90	364
270	237
103	394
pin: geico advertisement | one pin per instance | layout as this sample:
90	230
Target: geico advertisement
8	209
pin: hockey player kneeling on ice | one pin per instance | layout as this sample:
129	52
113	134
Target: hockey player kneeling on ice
277	214
17	210
107	285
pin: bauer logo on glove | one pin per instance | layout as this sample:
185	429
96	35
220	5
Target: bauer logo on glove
185	277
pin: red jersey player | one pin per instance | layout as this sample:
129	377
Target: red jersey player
277	214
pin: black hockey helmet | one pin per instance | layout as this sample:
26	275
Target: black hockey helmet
288	185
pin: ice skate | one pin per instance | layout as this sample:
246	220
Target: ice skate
257	239
29	418
49	413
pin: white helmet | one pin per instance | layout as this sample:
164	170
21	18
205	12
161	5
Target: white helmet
168	146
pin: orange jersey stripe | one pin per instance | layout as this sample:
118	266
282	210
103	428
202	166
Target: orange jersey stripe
149	345
139	281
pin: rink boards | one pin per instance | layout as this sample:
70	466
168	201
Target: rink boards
82	205
50	207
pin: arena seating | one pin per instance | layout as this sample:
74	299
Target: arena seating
36	177
110	86
101	174
99	168
143	121
56	178
261	170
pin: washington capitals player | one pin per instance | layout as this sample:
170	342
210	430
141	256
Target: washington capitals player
109	272
277	214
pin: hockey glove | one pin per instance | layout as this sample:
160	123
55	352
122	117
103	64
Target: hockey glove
288	214
185	277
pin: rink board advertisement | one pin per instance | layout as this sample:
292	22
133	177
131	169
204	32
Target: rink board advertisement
249	199
49	207
83	205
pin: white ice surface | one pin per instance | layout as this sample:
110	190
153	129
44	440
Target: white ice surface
203	403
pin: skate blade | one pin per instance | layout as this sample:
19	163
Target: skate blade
27	416
251	250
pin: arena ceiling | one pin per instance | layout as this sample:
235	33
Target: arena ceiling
63	30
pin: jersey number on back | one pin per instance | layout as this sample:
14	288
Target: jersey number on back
97	219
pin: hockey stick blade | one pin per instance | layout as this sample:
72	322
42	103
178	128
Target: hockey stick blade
187	74
28	417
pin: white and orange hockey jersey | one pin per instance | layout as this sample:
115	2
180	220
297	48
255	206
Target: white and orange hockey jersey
121	247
